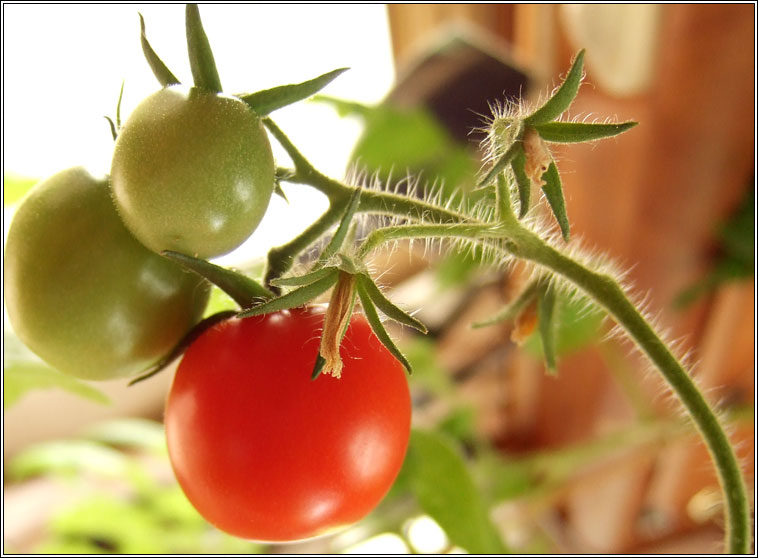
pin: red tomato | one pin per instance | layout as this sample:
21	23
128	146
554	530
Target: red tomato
265	453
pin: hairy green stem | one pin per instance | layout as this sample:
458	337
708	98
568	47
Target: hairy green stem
512	238
453	230
608	293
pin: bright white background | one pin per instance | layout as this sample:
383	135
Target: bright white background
64	64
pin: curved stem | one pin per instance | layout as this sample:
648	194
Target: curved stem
517	240
606	291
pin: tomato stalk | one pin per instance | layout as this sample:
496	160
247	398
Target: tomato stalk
511	238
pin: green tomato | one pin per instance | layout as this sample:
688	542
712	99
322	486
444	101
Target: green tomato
82	293
192	172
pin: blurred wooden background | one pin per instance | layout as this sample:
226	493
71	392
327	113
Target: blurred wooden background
652	199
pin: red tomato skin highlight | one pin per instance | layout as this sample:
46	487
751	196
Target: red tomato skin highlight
265	453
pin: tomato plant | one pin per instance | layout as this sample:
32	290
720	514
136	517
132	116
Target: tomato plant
265	453
192	172
82	293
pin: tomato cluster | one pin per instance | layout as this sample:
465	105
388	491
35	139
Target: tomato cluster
80	290
262	450
85	285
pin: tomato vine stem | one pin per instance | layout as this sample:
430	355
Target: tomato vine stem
512	238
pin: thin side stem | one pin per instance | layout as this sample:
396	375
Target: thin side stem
455	230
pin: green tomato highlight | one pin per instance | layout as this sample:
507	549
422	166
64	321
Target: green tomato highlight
83	293
192	172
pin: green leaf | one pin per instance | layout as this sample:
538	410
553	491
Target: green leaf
512	310
577	132
507	478
202	64
133	433
15	187
408	140
518	165
376	324
242	289
266	101
501	164
428	372
339	236
563	97
439	478
302	280
295	298
23	371
160	70
386	306
553	190
67	457
578	323
735	250
347	108
546	326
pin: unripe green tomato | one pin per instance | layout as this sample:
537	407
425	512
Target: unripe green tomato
82	293
192	172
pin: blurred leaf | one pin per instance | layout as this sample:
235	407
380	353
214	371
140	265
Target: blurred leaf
439	478
459	424
266	101
458	267
737	234
421	352
24	371
15	187
546	326
408	140
736	251
136	433
67	457
219	301
577	324
507	479
563	97
183	344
